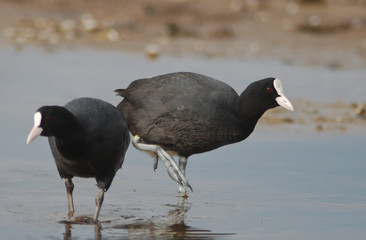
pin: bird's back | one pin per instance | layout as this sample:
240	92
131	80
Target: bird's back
183	112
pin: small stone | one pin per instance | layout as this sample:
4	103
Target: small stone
152	51
112	35
88	22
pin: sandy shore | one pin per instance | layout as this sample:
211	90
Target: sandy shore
331	33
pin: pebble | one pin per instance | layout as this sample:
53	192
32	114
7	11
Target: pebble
89	23
360	109
152	51
112	35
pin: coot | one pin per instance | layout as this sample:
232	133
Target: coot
188	113
88	138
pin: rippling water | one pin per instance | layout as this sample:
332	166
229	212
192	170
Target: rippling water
275	185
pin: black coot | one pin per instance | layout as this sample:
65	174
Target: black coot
188	113
88	138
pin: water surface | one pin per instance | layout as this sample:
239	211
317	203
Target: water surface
277	184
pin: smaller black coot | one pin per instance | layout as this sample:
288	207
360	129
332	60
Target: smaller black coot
88	138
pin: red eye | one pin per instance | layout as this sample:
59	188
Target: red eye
269	90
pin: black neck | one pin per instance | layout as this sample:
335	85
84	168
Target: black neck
249	109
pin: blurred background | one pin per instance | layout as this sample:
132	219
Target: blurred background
318	32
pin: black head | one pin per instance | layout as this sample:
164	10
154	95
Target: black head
268	93
52	121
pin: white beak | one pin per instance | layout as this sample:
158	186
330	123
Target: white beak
36	130
282	100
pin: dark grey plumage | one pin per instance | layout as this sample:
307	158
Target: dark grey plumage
88	138
189	113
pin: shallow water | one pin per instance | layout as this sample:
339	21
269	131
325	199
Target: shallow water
277	184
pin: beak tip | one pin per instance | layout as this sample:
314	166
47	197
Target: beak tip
36	131
29	140
285	103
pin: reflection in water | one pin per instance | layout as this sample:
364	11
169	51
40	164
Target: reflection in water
68	226
171	226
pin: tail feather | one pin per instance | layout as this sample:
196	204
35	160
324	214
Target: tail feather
120	92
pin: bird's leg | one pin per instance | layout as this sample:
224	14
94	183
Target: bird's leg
182	167
156	160
172	168
168	160
182	164
98	202
69	188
